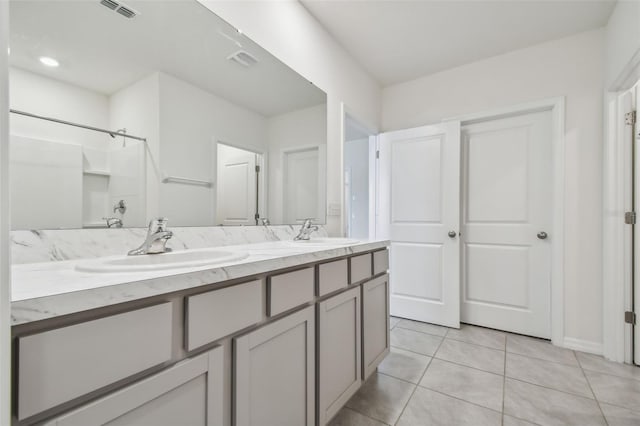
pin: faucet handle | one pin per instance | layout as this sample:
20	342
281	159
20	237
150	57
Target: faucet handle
158	224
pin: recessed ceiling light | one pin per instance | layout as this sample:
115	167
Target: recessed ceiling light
50	62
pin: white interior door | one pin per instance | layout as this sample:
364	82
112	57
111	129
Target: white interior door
507	206
301	185
236	186
419	205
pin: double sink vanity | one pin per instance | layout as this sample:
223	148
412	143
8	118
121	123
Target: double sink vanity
273	333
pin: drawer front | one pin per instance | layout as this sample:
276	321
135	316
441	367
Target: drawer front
360	267
332	276
380	261
218	313
286	291
59	365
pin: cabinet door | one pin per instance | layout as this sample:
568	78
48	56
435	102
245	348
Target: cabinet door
375	320
274	373
187	394
339	352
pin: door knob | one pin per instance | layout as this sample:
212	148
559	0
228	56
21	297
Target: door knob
542	235
452	234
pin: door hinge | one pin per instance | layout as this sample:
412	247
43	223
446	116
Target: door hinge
630	218
630	118
377	155
257	169
630	317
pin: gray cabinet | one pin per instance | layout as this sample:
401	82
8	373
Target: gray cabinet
187	394
274	373
375	320
57	366
339	352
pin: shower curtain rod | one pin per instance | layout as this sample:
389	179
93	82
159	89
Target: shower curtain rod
111	133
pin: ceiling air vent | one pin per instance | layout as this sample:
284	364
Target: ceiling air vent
110	4
243	58
120	8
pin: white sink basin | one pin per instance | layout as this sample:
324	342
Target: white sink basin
322	242
155	262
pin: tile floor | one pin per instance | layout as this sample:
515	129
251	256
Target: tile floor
477	376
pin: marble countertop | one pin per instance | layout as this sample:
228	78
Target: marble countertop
46	290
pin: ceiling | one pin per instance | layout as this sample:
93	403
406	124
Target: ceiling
100	50
397	40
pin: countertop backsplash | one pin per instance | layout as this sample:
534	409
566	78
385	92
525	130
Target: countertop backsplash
71	244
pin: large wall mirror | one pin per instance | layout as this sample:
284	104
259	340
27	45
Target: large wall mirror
123	111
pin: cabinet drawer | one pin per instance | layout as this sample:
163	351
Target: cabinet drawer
286	291
380	261
360	267
218	313
332	276
59	365
189	393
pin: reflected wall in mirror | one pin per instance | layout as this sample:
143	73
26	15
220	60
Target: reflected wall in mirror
359	179
231	135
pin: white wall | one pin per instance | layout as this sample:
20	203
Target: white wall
40	95
136	108
5	259
191	121
288	31
356	161
303	128
622	40
571	67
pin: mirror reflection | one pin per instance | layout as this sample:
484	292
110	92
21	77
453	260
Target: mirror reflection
127	111
359	179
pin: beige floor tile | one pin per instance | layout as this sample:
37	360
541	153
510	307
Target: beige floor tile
541	349
414	341
512	421
601	365
549	407
404	365
382	398
423	327
427	407
617	416
475	356
615	390
553	375
349	417
469	384
478	336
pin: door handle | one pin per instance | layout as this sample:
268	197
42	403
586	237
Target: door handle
452	234
542	235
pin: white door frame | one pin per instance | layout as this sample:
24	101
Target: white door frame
557	234
616	256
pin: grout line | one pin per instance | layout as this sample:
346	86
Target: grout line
420	331
550	388
416	387
504	379
365	415
462	400
468	366
591	389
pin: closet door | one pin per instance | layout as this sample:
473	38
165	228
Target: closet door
507	215
419	211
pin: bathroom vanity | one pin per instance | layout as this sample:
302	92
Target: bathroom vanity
283	336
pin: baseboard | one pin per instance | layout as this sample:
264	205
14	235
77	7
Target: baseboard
582	345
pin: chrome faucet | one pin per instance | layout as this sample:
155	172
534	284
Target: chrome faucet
157	237
306	230
113	222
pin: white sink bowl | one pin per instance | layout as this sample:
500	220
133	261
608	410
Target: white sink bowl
324	242
164	261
